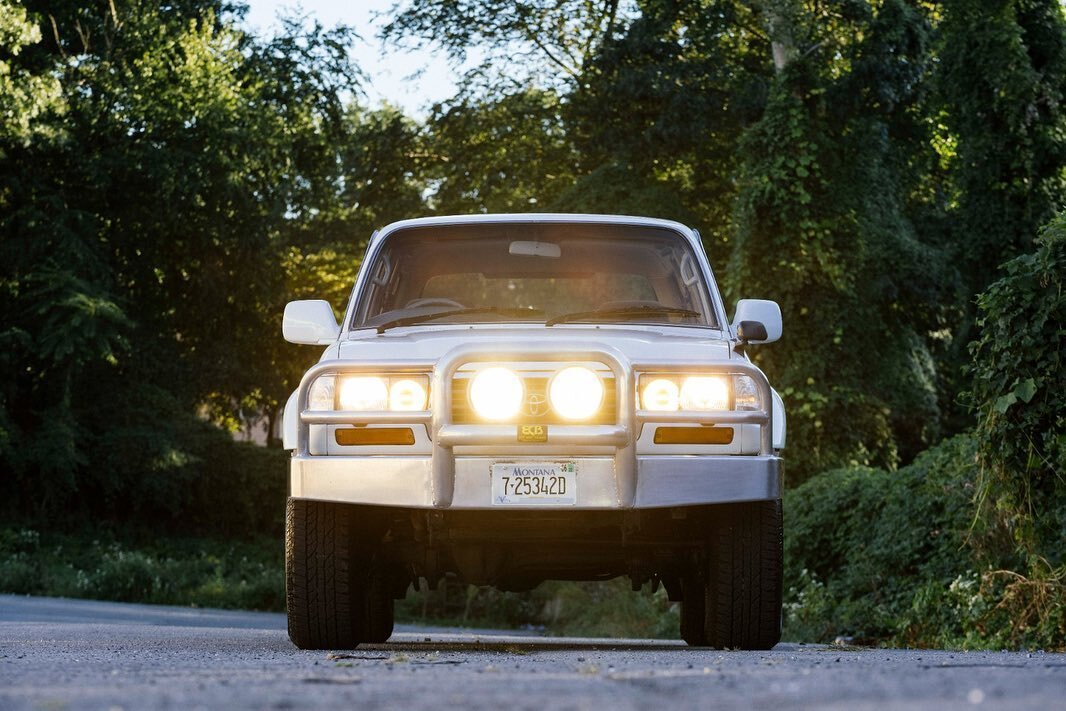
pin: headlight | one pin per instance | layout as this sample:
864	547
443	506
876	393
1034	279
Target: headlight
321	396
370	393
697	393
705	392
407	394
745	394
660	394
576	393
496	393
365	393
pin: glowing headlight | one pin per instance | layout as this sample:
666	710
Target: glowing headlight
660	394
705	392
407	395
363	393
576	393
697	393
496	393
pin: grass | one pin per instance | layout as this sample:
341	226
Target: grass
137	566
558	608
194	572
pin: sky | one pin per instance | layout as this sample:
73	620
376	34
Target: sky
389	72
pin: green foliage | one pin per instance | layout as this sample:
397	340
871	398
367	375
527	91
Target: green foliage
609	609
1001	78
1019	392
837	158
453	603
603	609
25	94
823	229
658	114
155	464
860	561
549	38
998	609
997	99
179	571
614	189
888	558
858	539
507	154
143	234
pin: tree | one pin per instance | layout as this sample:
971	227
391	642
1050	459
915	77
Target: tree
142	232
1019	392
507	153
1001	80
997	103
658	111
26	93
547	41
823	229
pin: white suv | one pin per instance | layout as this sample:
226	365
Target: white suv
516	398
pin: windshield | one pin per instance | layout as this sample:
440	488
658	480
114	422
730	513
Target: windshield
547	273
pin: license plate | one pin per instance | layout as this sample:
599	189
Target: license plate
534	484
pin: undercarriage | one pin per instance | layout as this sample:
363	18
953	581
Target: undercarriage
517	550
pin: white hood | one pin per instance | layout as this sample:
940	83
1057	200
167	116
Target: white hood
637	343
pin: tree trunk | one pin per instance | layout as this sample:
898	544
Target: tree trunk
780	19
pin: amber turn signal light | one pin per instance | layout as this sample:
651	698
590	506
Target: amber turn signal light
693	435
375	435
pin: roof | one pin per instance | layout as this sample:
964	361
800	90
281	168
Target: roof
530	217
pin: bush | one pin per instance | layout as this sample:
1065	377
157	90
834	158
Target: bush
888	558
860	542
994	610
608	609
182	571
601	609
1019	392
177	474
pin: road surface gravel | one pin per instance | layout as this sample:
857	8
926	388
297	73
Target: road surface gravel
76	654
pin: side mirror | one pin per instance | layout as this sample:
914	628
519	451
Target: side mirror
748	331
310	322
757	321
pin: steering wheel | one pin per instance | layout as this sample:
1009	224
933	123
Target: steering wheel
432	301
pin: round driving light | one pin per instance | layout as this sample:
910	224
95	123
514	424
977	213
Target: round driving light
364	393
660	394
496	393
407	395
705	393
576	393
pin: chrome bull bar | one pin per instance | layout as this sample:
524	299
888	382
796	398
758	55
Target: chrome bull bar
446	435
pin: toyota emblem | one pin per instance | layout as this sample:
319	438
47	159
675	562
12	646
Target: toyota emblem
535	405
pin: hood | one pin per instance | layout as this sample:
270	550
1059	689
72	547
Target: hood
638	343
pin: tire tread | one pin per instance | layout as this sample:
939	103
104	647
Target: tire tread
744	578
321	597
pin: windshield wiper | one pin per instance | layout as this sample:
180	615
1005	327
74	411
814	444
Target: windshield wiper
624	313
423	318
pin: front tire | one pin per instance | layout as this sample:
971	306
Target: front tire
740	592
335	597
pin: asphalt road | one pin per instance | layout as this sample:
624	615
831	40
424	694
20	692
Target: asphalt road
60	654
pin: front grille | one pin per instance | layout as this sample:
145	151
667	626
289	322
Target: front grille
536	408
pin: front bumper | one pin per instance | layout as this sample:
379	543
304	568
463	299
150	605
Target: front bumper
661	481
611	474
